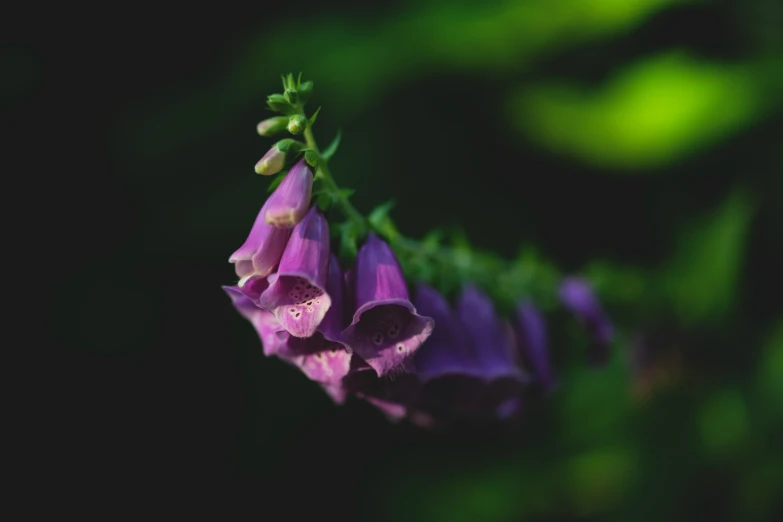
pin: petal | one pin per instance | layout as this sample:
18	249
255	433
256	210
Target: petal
298	297
577	295
265	323
289	202
320	359
386	330
533	344
492	343
261	251
447	350
387	335
377	275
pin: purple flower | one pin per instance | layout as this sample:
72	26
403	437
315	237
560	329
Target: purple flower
467	365
533	343
577	295
393	396
261	252
491	338
447	350
289	202
323	357
386	330
265	323
297	296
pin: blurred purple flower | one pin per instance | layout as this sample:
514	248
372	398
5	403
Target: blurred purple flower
577	295
533	344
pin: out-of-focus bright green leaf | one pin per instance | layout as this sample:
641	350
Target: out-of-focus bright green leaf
650	114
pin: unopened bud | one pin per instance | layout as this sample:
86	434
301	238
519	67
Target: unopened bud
282	152
305	90
272	126
271	163
279	103
291	96
296	124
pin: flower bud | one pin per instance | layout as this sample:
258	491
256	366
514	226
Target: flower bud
305	90
272	126
290	201
275	159
296	124
291	96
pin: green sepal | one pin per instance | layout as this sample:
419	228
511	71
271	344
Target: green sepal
332	147
311	157
314	116
349	239
381	221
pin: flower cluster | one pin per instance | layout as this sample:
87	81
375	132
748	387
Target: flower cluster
359	332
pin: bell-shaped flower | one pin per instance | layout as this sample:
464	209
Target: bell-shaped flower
492	339
447	351
265	323
386	330
289	202
576	294
323	357
533	344
298	296
261	251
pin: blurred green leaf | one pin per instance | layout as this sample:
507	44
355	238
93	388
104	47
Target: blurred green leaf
723	421
701	280
653	112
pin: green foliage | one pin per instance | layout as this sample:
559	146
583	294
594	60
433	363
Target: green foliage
700	283
332	147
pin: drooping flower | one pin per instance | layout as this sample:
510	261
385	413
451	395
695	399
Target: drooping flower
392	396
533	344
265	323
298	297
323	357
289	202
576	294
448	350
386	330
492	339
259	254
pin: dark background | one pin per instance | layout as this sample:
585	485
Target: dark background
136	132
